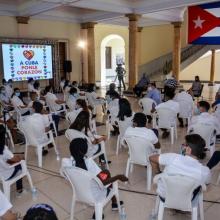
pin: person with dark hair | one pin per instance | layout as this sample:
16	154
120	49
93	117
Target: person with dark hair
18	103
153	93
4	99
170	86
196	87
73	96
31	85
111	91
40	212
5	209
37	88
7	158
140	130
66	88
62	82
141	85
81	128
8	88
204	117
172	105
125	110
76	85
186	164
78	150
120	73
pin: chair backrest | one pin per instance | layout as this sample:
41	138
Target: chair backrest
123	125
166	118
147	104
179	191
206	131
186	109
81	181
139	150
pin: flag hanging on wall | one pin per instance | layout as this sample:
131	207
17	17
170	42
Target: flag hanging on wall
204	24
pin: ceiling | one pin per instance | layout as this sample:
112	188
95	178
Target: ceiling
154	12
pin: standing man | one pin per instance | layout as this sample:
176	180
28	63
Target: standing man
120	74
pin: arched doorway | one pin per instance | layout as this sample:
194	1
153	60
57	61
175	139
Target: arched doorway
112	52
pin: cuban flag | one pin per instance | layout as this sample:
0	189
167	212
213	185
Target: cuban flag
204	24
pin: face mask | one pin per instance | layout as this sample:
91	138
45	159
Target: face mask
17	93
76	95
197	111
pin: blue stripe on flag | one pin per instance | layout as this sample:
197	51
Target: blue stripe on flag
210	5
207	41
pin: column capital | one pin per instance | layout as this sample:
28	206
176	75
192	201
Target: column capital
133	17
177	24
22	19
88	25
139	29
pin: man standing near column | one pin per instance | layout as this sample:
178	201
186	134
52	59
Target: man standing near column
120	75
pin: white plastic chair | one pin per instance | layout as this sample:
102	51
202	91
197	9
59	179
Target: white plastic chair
179	194
83	192
139	152
32	141
207	132
109	127
146	104
122	125
51	121
167	120
7	183
102	143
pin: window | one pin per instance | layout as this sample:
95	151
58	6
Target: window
108	57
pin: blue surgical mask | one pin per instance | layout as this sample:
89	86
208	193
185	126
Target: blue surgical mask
197	111
18	94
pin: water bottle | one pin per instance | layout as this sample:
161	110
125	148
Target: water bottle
34	193
123	215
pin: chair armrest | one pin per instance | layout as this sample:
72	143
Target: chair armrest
157	178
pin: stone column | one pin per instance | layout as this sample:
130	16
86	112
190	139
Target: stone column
212	70
133	49
91	51
84	55
22	26
176	49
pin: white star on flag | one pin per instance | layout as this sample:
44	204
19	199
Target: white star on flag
198	22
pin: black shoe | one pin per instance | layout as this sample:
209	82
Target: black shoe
45	152
50	146
115	206
182	125
165	134
93	217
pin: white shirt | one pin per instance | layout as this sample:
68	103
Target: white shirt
113	108
31	88
35	125
186	103
62	85
71	102
51	102
205	118
176	164
73	134
142	132
5	205
170	104
5	169
123	125
16	102
8	91
92	168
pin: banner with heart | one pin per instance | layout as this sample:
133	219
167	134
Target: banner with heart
23	61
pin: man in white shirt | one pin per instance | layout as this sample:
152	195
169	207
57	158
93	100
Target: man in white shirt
139	129
172	105
52	101
205	117
186	103
8	88
71	101
187	164
5	209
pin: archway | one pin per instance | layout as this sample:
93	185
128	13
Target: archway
115	45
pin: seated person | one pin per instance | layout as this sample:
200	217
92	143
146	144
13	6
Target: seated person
8	87
7	158
52	101
18	103
81	128
111	91
196	87
4	99
62	82
217	101
5	209
75	85
153	93
66	88
34	97
172	105
204	117
139	129
40	212
186	164
31	85
78	149
170	86
73	96
37	89
141	85
186	103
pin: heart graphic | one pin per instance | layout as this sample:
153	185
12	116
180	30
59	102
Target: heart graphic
28	54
